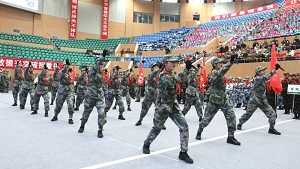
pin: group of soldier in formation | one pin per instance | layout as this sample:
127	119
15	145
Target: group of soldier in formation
97	89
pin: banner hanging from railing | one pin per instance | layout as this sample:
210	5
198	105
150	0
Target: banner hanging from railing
10	63
105	19
245	12
73	19
292	2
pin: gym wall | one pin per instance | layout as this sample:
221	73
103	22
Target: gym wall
54	19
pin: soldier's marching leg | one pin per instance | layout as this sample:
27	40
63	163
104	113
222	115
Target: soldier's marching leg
270	113
146	104
209	113
36	99
187	105
231	123
89	104
121	107
46	103
79	100
115	106
60	99
53	94
198	106
15	92
138	94
23	97
31	93
109	101
252	106
70	103
128	100
160	117
100	105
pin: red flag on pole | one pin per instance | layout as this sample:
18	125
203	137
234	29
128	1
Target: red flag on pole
275	81
203	71
140	80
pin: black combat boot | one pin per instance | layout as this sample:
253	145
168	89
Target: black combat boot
245	108
51	103
54	118
138	123
146	149
71	121
239	127
128	109
296	116
238	105
121	117
232	140
185	157
164	127
198	136
274	131
114	108
46	113
81	129
100	134
34	112
22	107
76	109
287	111
15	104
138	100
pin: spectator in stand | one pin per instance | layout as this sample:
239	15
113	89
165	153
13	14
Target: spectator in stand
285	42
255	44
265	44
275	41
296	43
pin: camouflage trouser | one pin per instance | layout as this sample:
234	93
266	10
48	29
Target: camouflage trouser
16	89
79	99
37	96
196	101
111	94
165	109
239	97
61	98
6	88
127	95
246	98
263	104
146	104
212	109
24	93
138	92
53	92
89	104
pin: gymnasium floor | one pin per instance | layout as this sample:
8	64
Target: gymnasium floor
34	142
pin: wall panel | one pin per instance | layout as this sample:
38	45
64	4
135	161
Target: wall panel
170	8
89	18
116	29
117	11
141	28
223	8
58	8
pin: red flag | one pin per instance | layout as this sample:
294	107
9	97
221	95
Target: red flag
140	80
275	81
203	71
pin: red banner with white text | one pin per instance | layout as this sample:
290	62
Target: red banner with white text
105	19
10	63
73	19
245	12
292	2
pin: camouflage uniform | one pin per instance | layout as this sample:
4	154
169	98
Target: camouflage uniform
168	106
27	87
258	98
94	97
81	88
2	76
238	93
7	80
193	95
42	90
138	92
247	89
151	94
125	88
55	84
115	92
218	100
18	78
65	92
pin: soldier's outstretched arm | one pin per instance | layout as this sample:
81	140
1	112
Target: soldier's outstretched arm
224	69
268	76
153	74
180	76
65	69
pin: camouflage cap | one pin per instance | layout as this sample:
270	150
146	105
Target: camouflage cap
169	58
217	60
260	68
153	64
286	73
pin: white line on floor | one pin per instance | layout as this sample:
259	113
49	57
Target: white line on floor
123	160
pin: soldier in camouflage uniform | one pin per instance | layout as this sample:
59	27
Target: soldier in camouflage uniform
247	88
1	81
81	87
258	99
65	92
7	80
42	90
151	92
115	92
218	99
95	96
105	85
138	90
55	84
125	88
18	78
238	92
193	95
27	87
167	106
